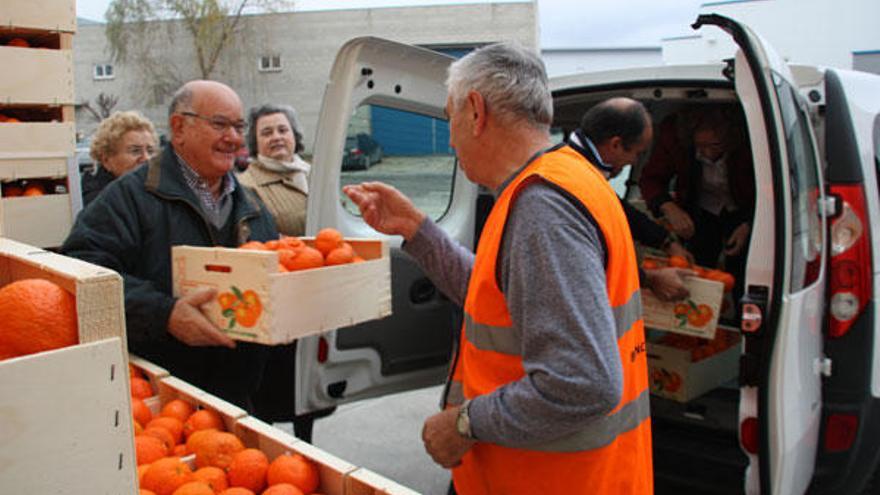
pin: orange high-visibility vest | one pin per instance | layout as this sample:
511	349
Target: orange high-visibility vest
611	455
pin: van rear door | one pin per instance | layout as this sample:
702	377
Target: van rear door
393	94
780	406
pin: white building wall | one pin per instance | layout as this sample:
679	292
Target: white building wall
307	42
815	32
560	62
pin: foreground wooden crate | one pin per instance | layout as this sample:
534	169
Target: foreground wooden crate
38	220
366	482
40	76
65	413
288	305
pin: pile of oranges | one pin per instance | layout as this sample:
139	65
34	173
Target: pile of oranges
223	466
294	254
701	348
8	120
680	262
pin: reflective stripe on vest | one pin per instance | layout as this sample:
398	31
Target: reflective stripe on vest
506	340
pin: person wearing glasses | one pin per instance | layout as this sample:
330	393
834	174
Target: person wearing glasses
122	141
187	195
706	155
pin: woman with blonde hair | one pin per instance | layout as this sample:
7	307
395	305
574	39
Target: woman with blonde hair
122	141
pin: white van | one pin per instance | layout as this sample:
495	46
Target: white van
804	414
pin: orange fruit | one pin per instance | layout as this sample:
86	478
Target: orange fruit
34	190
678	261
248	311
272	245
357	259
283	489
141	470
12	190
18	42
138	429
217	449
148	449
340	256
166	475
162	434
255	245
248	469
38	315
179	450
650	264
144	491
140	412
294	469
197	438
236	490
173	425
134	372
194	488
203	419
178	409
306	258
141	388
285	257
327	240
213	476
290	242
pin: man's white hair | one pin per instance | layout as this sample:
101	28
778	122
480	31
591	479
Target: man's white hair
511	79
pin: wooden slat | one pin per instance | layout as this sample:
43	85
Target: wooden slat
366	482
42	221
36	76
51	15
37	139
64	422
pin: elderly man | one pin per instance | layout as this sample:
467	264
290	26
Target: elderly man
549	390
186	195
615	133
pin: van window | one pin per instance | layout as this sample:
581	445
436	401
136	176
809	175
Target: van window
807	235
407	150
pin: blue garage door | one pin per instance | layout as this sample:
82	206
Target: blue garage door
404	133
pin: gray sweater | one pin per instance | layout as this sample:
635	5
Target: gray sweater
553	277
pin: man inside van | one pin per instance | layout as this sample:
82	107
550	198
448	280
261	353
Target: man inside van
548	391
615	133
706	155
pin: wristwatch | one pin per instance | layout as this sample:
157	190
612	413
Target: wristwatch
463	421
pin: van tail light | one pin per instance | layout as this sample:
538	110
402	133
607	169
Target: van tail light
849	281
748	435
323	350
840	431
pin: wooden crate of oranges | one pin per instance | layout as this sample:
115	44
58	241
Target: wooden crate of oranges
695	315
275	292
63	375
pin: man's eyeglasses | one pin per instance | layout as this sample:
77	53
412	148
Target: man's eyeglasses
220	124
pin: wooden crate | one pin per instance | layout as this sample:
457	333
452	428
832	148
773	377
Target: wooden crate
50	15
673	316
36	76
274	442
38	220
675	375
171	388
64	414
366	482
294	304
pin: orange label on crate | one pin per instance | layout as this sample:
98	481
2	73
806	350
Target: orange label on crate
240	309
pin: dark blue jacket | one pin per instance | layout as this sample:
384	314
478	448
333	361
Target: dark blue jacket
131	227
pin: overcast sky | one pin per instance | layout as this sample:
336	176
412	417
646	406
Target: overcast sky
564	23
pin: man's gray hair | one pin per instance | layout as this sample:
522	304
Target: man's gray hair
511	79
182	98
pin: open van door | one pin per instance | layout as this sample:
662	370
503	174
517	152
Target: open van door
782	363
391	96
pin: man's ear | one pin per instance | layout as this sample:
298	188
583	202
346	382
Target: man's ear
616	143
175	124
477	107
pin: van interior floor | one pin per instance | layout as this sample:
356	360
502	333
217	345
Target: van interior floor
696	447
